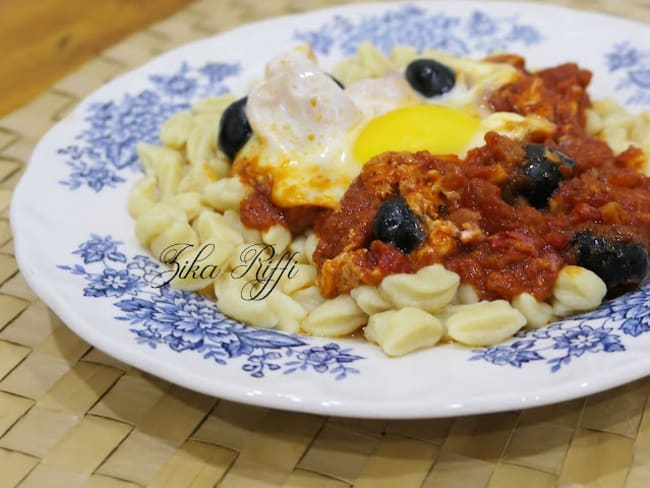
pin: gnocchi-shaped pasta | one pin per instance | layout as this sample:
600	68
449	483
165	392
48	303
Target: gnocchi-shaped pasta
249	235
197	267
190	203
212	225
290	313
164	163
309	297
231	302
143	196
202	143
484	323
176	129
430	289
154	221
212	105
225	194
372	59
399	332
196	178
400	56
369	299
304	276
278	236
537	313
179	232
310	246
337	317
577	289
467	294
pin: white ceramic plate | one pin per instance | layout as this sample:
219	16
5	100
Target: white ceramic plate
76	247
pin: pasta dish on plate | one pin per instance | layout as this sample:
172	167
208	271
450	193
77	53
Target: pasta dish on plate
414	198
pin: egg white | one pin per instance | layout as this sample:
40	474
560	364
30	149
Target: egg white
305	126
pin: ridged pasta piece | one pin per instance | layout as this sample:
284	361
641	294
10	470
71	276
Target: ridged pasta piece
176	129
430	289
225	194
164	163
249	235
310	246
212	105
537	313
577	289
304	277
143	196
197	267
401	56
467	294
400	332
278	236
190	203
337	317
297	245
484	323
309	297
153	221
179	232
202	143
212	225
196	178
349	70
230	301
290	313
372	59
370	300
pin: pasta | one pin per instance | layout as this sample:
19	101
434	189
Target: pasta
335	318
402	331
484	323
577	289
188	210
430	289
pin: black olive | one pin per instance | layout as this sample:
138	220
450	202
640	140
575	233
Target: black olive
429	77
621	265
397	225
543	169
234	129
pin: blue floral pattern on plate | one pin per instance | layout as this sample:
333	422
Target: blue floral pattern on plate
415	26
632	65
186	321
106	148
600	331
105	152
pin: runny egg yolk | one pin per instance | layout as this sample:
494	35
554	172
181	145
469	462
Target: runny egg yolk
424	127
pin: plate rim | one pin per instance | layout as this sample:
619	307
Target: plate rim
154	365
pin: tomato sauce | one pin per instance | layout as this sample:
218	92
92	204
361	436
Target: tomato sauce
476	225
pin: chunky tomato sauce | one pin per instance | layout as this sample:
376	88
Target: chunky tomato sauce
475	225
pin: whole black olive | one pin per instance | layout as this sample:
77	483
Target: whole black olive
234	129
621	265
397	225
543	169
429	77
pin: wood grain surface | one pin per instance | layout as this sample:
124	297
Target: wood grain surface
43	40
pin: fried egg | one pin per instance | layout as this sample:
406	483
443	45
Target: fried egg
312	137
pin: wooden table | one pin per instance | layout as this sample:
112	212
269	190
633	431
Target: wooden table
73	417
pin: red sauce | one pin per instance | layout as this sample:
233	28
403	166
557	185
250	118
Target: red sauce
476	226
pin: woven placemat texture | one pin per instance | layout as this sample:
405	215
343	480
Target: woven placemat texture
70	416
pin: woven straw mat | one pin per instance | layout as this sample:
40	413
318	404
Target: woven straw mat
71	417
